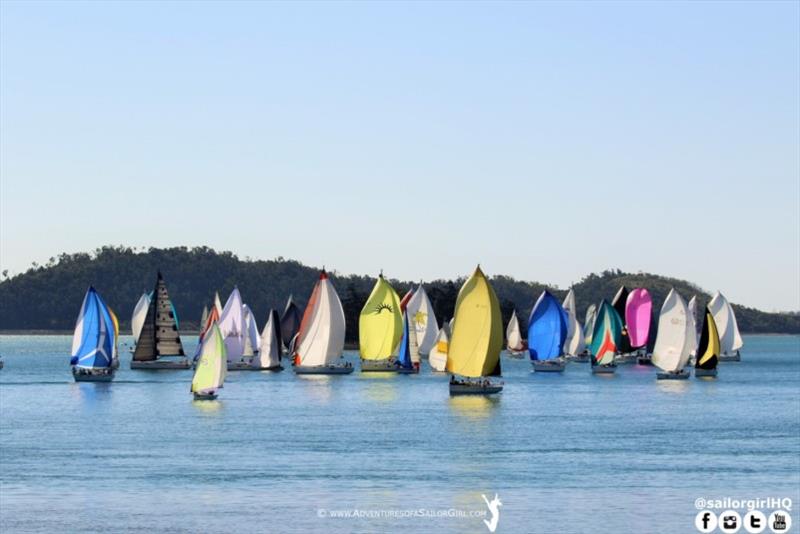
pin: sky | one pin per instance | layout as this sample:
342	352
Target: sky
542	140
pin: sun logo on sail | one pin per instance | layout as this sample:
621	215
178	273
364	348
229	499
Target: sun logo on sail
383	306
420	318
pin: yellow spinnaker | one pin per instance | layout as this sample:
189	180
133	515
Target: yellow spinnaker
713	346
380	325
477	337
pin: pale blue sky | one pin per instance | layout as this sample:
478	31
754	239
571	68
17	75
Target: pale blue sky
543	140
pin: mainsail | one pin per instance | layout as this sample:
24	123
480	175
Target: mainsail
438	355
574	343
212	367
638	310
513	334
320	340
708	347
729	338
252	339
94	340
271	347
231	326
606	335
672	349
290	322
139	315
380	324
547	328
159	336
477	337
422	320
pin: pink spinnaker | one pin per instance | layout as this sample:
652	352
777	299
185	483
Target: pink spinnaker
638	308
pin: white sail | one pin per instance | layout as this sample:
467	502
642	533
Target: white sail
270	353
217	303
321	337
691	324
513	334
211	368
139	314
671	350
231	326
588	324
729	338
252	339
574	343
437	357
422	320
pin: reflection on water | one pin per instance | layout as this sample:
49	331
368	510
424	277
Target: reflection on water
380	387
317	387
673	386
474	406
89	392
208	407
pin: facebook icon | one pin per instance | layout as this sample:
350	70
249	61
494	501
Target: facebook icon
705	521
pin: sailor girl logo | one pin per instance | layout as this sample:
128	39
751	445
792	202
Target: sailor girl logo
383	306
494	507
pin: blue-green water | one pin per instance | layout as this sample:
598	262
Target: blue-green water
565	453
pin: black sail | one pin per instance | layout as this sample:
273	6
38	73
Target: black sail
619	303
276	326
159	335
653	332
708	347
290	322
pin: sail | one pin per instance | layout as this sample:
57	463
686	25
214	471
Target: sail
406	298
652	335
139	314
94	340
588	325
606	335
547	328
638	310
422	320
691	326
513	334
380	324
252	339
438	354
290	321
211	368
574	344
320	340
231	326
203	319
618	303
692	307
671	350
271	347
407	346
729	338
212	318
115	322
708	346
217	304
477	337
159	335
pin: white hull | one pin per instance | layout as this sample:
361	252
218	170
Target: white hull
517	354
730	357
625	358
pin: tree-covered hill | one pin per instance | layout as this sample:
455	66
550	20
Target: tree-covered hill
48	297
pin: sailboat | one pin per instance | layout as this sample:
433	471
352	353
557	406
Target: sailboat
320	340
94	341
515	345
138	317
707	348
422	320
159	346
268	357
408	354
380	327
638	311
588	324
605	339
474	352
652	335
290	323
547	331
251	343
675	339
212	366
730	341
203	319
211	319
624	351
574	345
438	355
231	326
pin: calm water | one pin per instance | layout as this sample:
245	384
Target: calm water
571	453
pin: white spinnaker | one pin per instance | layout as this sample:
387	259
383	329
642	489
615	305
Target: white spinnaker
691	325
139	315
670	352
77	336
231	326
574	343
423	320
513	335
269	354
437	357
321	340
729	338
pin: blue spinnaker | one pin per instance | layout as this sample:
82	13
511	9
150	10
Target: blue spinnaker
547	328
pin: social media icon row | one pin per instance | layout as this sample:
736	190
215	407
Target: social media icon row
753	521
